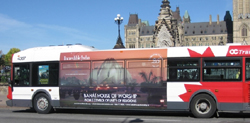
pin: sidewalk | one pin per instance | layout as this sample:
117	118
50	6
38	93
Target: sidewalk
3	99
3	96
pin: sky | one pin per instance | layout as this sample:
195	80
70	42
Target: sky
35	23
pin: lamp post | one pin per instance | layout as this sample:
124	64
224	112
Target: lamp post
118	21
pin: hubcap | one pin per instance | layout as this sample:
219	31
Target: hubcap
42	103
203	106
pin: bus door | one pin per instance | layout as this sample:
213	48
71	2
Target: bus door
20	82
246	90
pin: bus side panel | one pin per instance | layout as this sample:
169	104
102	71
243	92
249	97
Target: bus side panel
22	96
226	94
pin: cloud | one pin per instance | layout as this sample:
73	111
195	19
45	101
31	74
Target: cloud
7	23
71	32
23	35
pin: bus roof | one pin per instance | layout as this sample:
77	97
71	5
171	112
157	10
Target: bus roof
80	52
49	53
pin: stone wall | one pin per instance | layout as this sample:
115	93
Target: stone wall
3	90
3	95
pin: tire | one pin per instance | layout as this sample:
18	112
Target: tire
42	104
203	106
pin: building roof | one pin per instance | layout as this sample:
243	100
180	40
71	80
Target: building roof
205	28
186	15
133	20
145	22
176	14
146	30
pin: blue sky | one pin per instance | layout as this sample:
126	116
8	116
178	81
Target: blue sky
34	23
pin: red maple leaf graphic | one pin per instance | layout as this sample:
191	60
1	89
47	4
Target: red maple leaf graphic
189	87
208	53
224	93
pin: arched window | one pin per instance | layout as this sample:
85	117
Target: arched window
244	31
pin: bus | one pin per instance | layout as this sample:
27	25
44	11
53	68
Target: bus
203	80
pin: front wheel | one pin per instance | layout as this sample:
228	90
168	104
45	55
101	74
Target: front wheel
42	104
203	106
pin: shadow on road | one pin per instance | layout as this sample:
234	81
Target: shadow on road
136	113
111	112
30	110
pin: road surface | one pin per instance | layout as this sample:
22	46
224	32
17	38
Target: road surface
21	115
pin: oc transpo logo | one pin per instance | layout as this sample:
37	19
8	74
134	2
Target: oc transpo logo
156	60
21	57
234	51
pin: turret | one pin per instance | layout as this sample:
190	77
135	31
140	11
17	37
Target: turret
186	17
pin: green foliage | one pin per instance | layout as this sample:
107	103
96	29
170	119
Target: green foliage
2	56
8	56
2	62
4	79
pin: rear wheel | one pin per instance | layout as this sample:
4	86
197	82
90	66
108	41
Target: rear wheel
76	94
203	106
42	104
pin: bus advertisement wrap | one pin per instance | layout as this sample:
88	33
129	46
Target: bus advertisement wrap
113	82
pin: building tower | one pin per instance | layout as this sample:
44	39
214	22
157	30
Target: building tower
186	17
132	31
241	21
166	31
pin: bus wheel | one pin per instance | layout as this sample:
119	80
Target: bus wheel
203	106
76	95
42	104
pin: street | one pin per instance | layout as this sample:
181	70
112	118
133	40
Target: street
22	115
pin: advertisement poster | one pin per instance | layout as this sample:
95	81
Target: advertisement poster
113	83
43	74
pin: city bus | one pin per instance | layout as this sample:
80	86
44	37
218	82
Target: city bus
203	80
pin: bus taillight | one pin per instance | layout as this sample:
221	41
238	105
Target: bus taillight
9	96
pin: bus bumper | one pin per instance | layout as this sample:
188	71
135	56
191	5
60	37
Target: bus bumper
9	103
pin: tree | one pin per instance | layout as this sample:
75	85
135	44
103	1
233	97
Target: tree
8	56
2	56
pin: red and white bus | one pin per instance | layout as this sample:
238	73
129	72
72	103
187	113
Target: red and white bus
202	80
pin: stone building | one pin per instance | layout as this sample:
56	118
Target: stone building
207	33
241	21
170	30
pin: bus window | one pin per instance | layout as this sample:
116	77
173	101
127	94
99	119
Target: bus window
183	70
45	74
222	70
144	72
43	77
108	73
75	74
21	75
